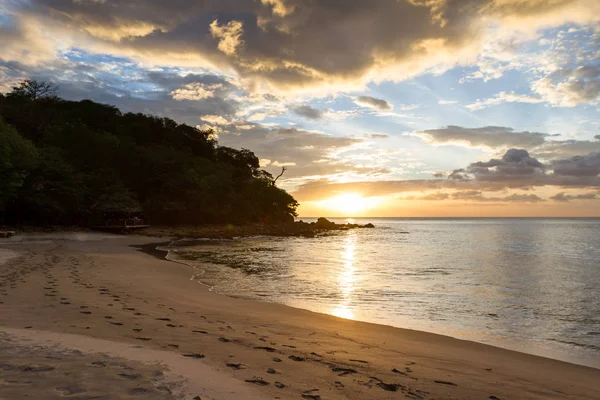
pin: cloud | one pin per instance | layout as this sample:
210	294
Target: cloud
489	136
373	102
568	87
378	136
307	112
284	45
435	197
195	91
446	102
214	119
504	97
564	197
310	152
584	166
566	148
475	195
229	35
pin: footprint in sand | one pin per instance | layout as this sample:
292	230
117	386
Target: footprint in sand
235	366
70	390
194	355
115	323
308	394
279	385
446	383
85	312
99	364
258	381
143	338
137	329
224	340
343	371
203	332
271	371
129	376
267	348
296	358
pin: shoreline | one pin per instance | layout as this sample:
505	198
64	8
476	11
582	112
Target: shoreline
319	355
504	344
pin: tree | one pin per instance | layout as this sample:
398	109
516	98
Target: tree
90	157
18	157
35	90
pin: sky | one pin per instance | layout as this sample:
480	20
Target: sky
408	108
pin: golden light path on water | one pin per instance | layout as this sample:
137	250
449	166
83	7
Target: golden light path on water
346	279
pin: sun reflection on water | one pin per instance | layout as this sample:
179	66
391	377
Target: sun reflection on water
346	279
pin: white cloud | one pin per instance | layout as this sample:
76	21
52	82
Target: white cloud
445	102
214	119
195	91
504	97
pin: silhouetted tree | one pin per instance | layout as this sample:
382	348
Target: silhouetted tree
35	90
60	160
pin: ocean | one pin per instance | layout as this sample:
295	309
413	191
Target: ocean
531	285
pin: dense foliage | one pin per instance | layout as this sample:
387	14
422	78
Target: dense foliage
66	162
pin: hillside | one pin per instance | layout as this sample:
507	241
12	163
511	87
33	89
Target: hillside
67	162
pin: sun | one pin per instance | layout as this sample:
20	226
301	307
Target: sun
349	204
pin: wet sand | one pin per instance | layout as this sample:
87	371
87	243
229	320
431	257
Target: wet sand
101	319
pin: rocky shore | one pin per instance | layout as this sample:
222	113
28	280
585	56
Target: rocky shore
299	228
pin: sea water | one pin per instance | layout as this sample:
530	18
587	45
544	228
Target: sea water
531	285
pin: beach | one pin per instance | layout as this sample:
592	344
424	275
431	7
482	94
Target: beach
99	318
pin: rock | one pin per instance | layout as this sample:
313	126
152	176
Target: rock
324	223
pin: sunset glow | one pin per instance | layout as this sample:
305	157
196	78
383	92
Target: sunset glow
349	204
489	109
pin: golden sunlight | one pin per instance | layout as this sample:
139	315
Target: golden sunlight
350	204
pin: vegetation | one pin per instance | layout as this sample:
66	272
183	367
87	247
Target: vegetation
64	162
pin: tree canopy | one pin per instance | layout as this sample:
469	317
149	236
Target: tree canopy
62	161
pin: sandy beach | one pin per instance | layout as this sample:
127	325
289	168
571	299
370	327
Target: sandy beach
100	319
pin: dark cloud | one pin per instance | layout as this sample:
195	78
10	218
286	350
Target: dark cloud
308	112
490	136
289	43
514	165
584	166
475	195
369	101
565	148
563	197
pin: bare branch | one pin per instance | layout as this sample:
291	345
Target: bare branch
283	169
